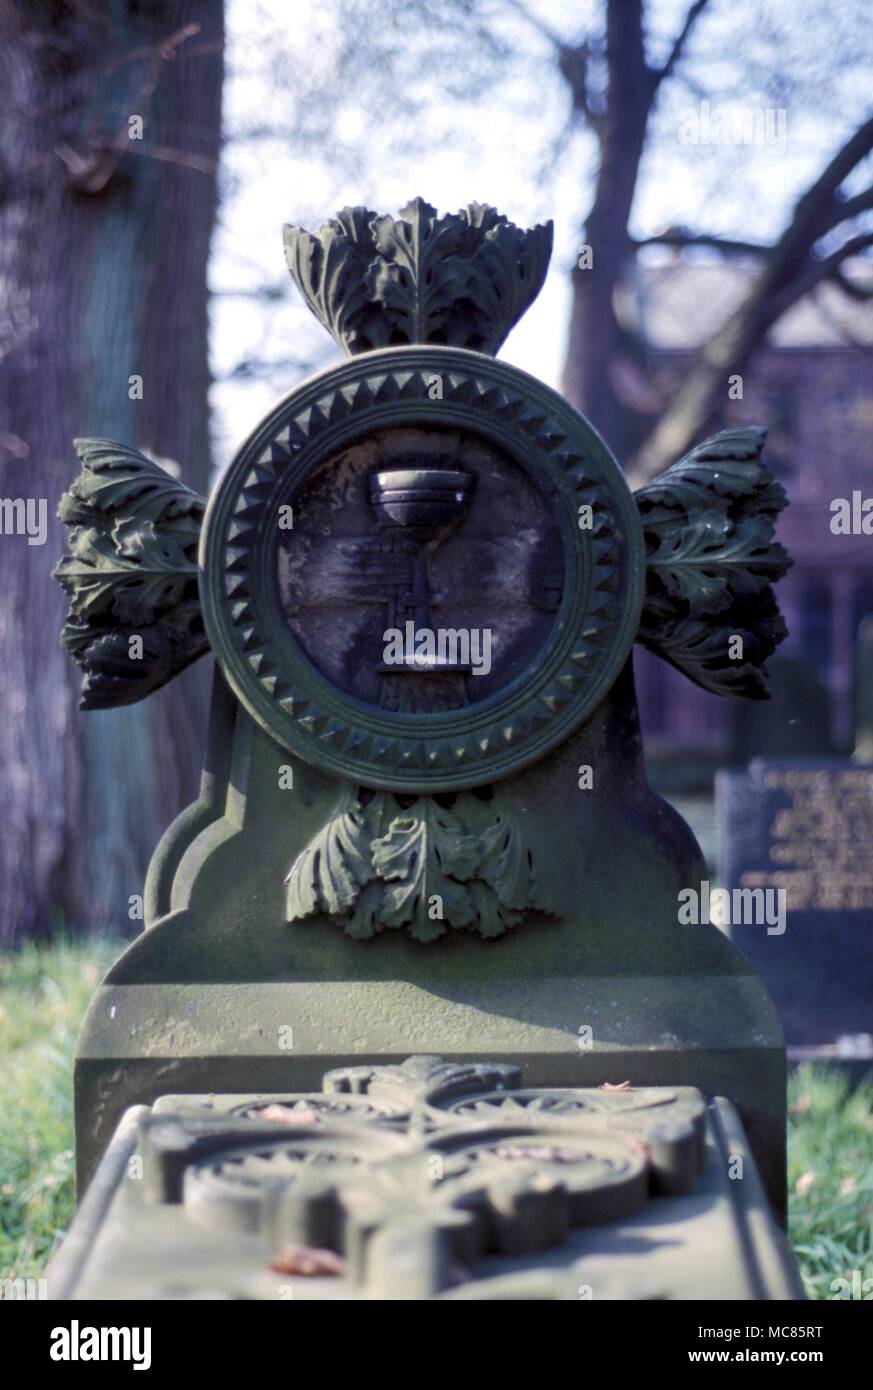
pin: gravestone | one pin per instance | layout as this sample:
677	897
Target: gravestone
424	825
793	723
804	827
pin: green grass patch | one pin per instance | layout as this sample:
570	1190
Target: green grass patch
830	1181
43	997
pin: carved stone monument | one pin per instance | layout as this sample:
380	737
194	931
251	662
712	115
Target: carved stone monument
424	825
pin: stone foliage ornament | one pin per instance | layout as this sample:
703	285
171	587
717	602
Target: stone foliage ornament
424	813
131	573
383	863
710	563
464	279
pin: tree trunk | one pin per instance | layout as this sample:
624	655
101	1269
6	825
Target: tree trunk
595	338
104	242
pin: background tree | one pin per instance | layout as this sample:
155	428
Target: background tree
618	106
593	97
104	239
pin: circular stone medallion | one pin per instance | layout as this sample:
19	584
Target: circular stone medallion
423	570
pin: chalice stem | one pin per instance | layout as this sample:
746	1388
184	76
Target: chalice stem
421	595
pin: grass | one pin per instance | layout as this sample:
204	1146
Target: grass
44	994
830	1181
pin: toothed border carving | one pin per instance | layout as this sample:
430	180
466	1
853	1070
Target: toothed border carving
590	640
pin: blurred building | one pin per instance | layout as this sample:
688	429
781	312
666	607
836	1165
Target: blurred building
812	386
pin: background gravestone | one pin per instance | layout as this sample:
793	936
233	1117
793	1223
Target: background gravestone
794	722
392	860
806	826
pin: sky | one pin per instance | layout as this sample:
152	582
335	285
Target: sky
297	149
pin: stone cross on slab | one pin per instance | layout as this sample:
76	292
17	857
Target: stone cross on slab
422	577
428	1180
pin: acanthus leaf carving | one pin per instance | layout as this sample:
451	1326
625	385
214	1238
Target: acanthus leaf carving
418	272
426	854
130	572
329	873
463	279
711	561
330	270
381	865
509	266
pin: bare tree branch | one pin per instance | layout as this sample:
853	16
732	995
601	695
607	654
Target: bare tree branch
573	65
822	201
681	238
850	207
682	38
90	167
820	269
850	288
621	133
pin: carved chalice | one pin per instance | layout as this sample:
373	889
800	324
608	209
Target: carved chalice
418	508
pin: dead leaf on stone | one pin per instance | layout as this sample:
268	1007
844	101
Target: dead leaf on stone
615	1086
804	1183
638	1147
285	1116
308	1260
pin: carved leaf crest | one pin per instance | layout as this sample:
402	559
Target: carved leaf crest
130	572
418	273
711	560
462	279
508	266
421	856
330	270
